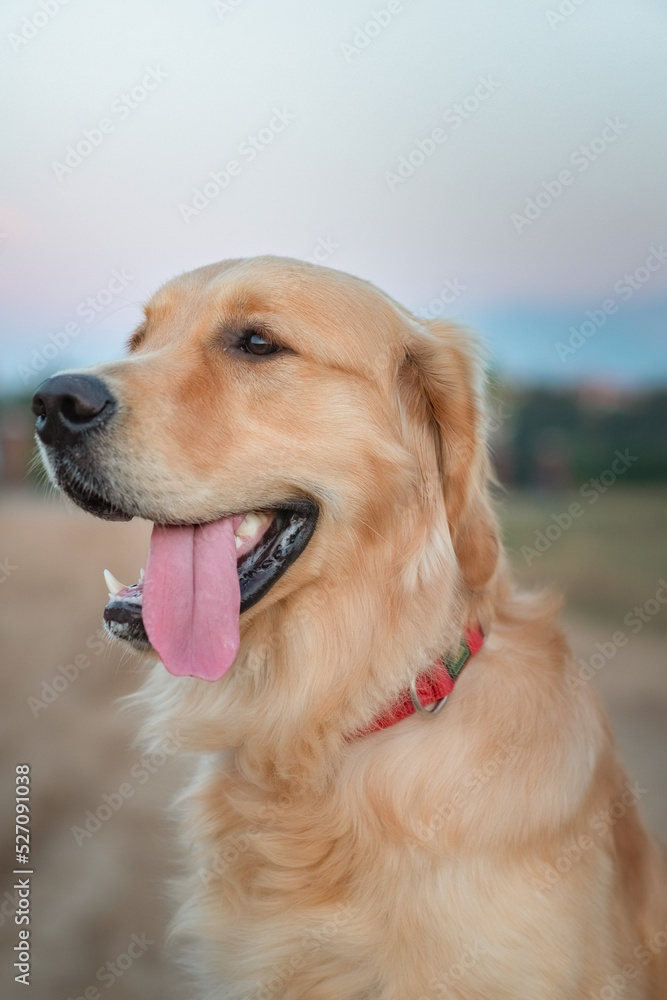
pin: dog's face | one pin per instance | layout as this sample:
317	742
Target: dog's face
293	414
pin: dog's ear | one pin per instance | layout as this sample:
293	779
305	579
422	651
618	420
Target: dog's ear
445	370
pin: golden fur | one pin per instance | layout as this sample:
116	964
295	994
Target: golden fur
464	856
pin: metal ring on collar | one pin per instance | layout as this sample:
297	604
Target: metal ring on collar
433	710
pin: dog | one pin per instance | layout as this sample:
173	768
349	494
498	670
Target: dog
403	790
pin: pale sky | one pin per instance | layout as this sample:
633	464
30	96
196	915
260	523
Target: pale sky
482	105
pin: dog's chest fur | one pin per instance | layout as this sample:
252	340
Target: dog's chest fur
297	897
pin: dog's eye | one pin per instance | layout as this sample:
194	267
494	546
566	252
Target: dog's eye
253	342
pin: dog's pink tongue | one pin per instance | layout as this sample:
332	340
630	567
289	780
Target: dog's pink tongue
192	599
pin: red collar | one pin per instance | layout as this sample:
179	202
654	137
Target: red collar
433	687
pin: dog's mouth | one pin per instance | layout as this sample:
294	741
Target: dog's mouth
199	579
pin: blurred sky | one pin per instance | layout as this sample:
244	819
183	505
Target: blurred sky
356	86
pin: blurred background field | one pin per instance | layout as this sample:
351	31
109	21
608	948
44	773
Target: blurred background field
608	562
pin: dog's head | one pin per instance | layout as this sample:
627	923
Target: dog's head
295	435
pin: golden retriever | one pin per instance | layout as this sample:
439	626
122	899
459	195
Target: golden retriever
314	459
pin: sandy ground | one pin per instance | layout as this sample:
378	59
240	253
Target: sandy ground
89	898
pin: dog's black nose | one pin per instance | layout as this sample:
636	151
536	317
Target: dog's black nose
68	405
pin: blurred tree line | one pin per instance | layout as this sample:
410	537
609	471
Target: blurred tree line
554	439
542	438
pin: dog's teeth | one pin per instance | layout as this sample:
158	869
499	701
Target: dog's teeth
113	585
141	576
238	541
250	525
